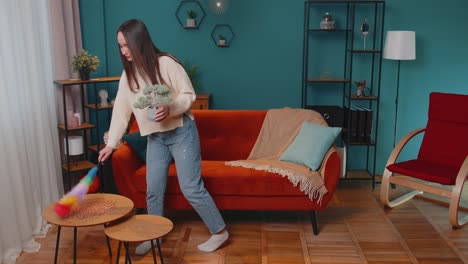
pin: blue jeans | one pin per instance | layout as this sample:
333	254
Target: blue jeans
183	145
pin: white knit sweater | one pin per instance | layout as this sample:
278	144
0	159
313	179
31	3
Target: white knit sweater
176	78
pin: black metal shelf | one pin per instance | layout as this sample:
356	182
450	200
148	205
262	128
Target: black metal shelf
348	25
72	166
362	97
328	30
358	143
327	80
224	30
193	4
364	51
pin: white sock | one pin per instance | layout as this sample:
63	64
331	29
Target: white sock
144	247
214	242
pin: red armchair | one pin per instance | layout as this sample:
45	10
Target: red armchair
442	159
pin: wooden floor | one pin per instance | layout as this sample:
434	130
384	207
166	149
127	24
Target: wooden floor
353	229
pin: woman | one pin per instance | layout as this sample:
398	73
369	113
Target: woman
172	134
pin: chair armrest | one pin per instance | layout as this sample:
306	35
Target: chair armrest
462	173
327	162
330	171
456	194
402	143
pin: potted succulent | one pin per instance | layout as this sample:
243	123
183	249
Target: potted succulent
192	72
153	97
191	14
222	40
84	63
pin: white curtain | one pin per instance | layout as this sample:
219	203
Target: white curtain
30	174
66	39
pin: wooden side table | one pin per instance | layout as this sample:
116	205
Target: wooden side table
202	102
95	209
139	228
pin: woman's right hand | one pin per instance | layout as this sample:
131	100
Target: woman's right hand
105	153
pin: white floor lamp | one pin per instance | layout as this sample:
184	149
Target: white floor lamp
399	45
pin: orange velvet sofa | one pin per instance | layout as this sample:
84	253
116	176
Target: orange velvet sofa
226	135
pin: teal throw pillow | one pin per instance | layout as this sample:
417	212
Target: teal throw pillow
310	145
138	143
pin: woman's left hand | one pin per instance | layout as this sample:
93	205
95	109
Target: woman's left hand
161	113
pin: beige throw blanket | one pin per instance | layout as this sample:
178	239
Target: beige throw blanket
278	130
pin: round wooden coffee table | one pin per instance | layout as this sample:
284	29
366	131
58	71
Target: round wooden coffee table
139	228
95	209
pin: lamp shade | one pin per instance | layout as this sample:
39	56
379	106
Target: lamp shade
400	45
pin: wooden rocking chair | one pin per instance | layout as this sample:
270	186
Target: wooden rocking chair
442	159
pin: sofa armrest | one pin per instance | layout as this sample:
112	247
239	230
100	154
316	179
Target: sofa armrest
124	164
330	171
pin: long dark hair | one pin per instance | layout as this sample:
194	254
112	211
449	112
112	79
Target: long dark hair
145	55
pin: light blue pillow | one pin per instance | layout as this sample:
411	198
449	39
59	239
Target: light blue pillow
310	145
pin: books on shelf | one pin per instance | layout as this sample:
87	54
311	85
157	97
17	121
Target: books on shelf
360	124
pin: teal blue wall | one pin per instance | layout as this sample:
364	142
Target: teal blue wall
263	66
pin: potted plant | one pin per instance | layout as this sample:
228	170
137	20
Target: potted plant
84	63
191	14
153	97
192	72
222	40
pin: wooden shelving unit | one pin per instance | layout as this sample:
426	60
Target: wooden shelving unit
70	165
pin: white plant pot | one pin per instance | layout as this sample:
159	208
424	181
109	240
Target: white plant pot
191	22
222	42
150	112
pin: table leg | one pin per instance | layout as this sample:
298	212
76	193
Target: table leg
159	251
74	244
152	251
108	246
57	244
118	253
127	253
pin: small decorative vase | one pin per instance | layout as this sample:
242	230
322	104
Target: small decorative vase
191	23
327	22
84	74
360	90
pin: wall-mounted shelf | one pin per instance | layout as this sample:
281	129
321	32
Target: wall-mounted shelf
225	31
183	9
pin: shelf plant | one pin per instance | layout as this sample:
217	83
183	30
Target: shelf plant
192	72
222	40
84	63
191	15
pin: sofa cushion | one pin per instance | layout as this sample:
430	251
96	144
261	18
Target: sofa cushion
428	171
228	134
220	179
137	143
310	145
218	129
448	120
